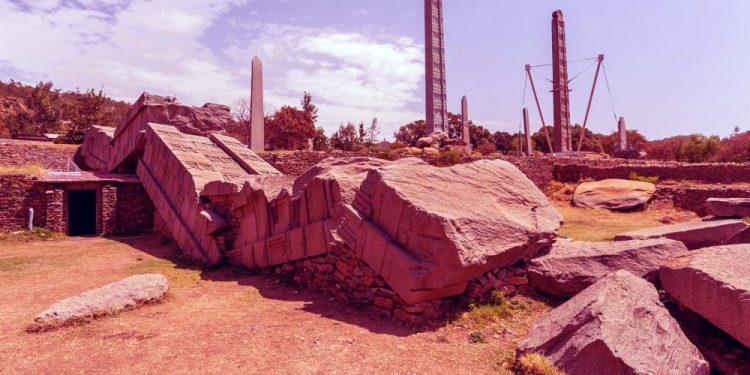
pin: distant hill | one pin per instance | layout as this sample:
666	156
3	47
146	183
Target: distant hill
42	109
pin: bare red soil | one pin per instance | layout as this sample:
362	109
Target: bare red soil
223	321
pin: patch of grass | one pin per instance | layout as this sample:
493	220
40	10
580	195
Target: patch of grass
177	275
502	361
22	170
12	263
537	364
477	337
635	177
498	307
34	235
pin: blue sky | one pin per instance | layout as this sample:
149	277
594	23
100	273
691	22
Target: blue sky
675	67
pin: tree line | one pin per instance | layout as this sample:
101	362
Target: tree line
41	109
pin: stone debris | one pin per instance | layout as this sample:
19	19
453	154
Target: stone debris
572	266
694	235
613	194
714	283
125	294
615	326
728	207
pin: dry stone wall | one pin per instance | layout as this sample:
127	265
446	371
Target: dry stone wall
17	195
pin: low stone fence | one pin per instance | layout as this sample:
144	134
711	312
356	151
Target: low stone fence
574	170
50	156
693	197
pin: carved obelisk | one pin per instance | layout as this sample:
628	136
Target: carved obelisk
623	133
466	135
436	111
560	92
527	131
257	137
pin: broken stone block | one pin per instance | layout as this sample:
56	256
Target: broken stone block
728	207
572	266
613	194
714	283
615	326
694	235
429	230
125	294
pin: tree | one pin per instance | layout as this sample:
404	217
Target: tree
411	132
320	141
503	142
373	131
346	138
88	109
611	143
735	148
362	133
310	109
699	148
44	107
289	129
239	124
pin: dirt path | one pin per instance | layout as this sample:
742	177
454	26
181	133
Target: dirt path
213	322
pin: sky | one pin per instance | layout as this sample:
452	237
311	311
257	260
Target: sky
673	66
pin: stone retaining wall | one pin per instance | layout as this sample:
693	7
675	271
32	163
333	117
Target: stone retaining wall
50	156
574	170
135	211
693	198
17	195
346	278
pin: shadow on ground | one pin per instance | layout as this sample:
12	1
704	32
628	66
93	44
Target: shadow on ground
271	286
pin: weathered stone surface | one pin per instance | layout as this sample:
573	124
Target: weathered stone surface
125	294
572	266
427	142
616	326
257	120
742	237
694	235
428	246
613	194
96	149
714	283
728	207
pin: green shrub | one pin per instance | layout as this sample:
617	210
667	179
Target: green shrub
537	364
477	337
635	177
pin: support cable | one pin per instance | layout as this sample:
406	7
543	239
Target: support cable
609	90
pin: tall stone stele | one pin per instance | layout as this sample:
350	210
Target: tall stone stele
465	134
560	93
527	131
435	92
257	136
623	133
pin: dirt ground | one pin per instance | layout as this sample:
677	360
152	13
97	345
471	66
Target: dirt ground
223	321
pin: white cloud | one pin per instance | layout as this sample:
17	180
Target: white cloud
127	47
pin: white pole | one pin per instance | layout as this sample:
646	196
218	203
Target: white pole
31	218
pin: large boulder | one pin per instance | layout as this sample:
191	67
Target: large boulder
694	235
613	194
570	266
125	294
429	230
616	326
714	283
728	207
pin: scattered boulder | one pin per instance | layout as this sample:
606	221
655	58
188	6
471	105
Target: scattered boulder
613	194
125	294
616	326
571	266
427	142
694	235
439	136
714	283
728	207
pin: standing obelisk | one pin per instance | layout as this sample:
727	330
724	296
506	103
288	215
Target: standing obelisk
437	111
465	134
527	131
561	94
257	137
623	134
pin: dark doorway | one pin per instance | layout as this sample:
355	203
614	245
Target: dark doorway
81	212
